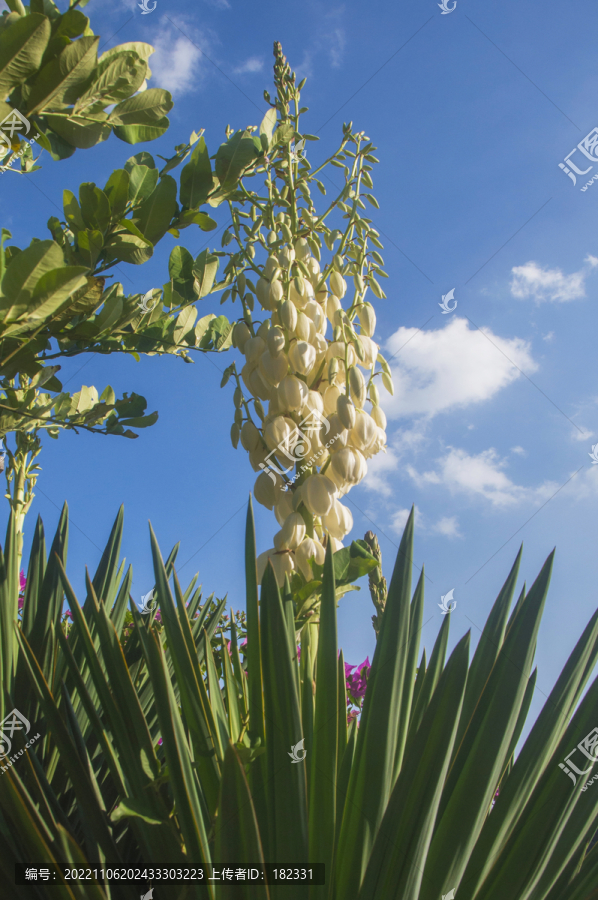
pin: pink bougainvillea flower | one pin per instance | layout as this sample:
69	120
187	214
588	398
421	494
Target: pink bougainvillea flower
160	742
22	581
243	645
21	601
357	681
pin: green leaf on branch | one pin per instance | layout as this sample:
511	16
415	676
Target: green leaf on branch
205	268
233	158
21	50
196	178
64	78
180	270
142	181
155	214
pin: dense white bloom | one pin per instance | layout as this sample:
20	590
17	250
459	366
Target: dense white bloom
309	395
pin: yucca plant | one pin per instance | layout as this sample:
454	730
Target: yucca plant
154	751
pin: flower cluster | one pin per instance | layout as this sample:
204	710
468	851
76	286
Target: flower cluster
313	417
357	682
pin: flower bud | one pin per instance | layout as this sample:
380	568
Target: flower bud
370	350
292	531
276	292
347	468
253	349
314	311
262	289
298	292
270	267
332	304
275	341
339	521
321	345
302	249
367	318
379	417
345	411
375	397
302	327
318	493
309	549
357	386
364	432
241	334
331	395
274	368
378	444
264	490
286	257
288	315
302	357
250	436
263	330
338	285
292	393
313	267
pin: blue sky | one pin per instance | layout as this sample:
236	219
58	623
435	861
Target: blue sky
495	407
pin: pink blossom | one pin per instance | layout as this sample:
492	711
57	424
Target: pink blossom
357	681
22	581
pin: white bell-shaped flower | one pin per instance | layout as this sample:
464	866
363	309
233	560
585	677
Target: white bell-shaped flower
264	490
318	493
306	551
253	349
283	506
364	433
273	368
302	357
347	467
292	393
367	319
339	521
379	417
250	436
292	531
282	563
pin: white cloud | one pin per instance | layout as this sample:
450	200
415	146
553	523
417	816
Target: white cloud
177	63
531	280
479	475
447	526
251	65
519	451
454	366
